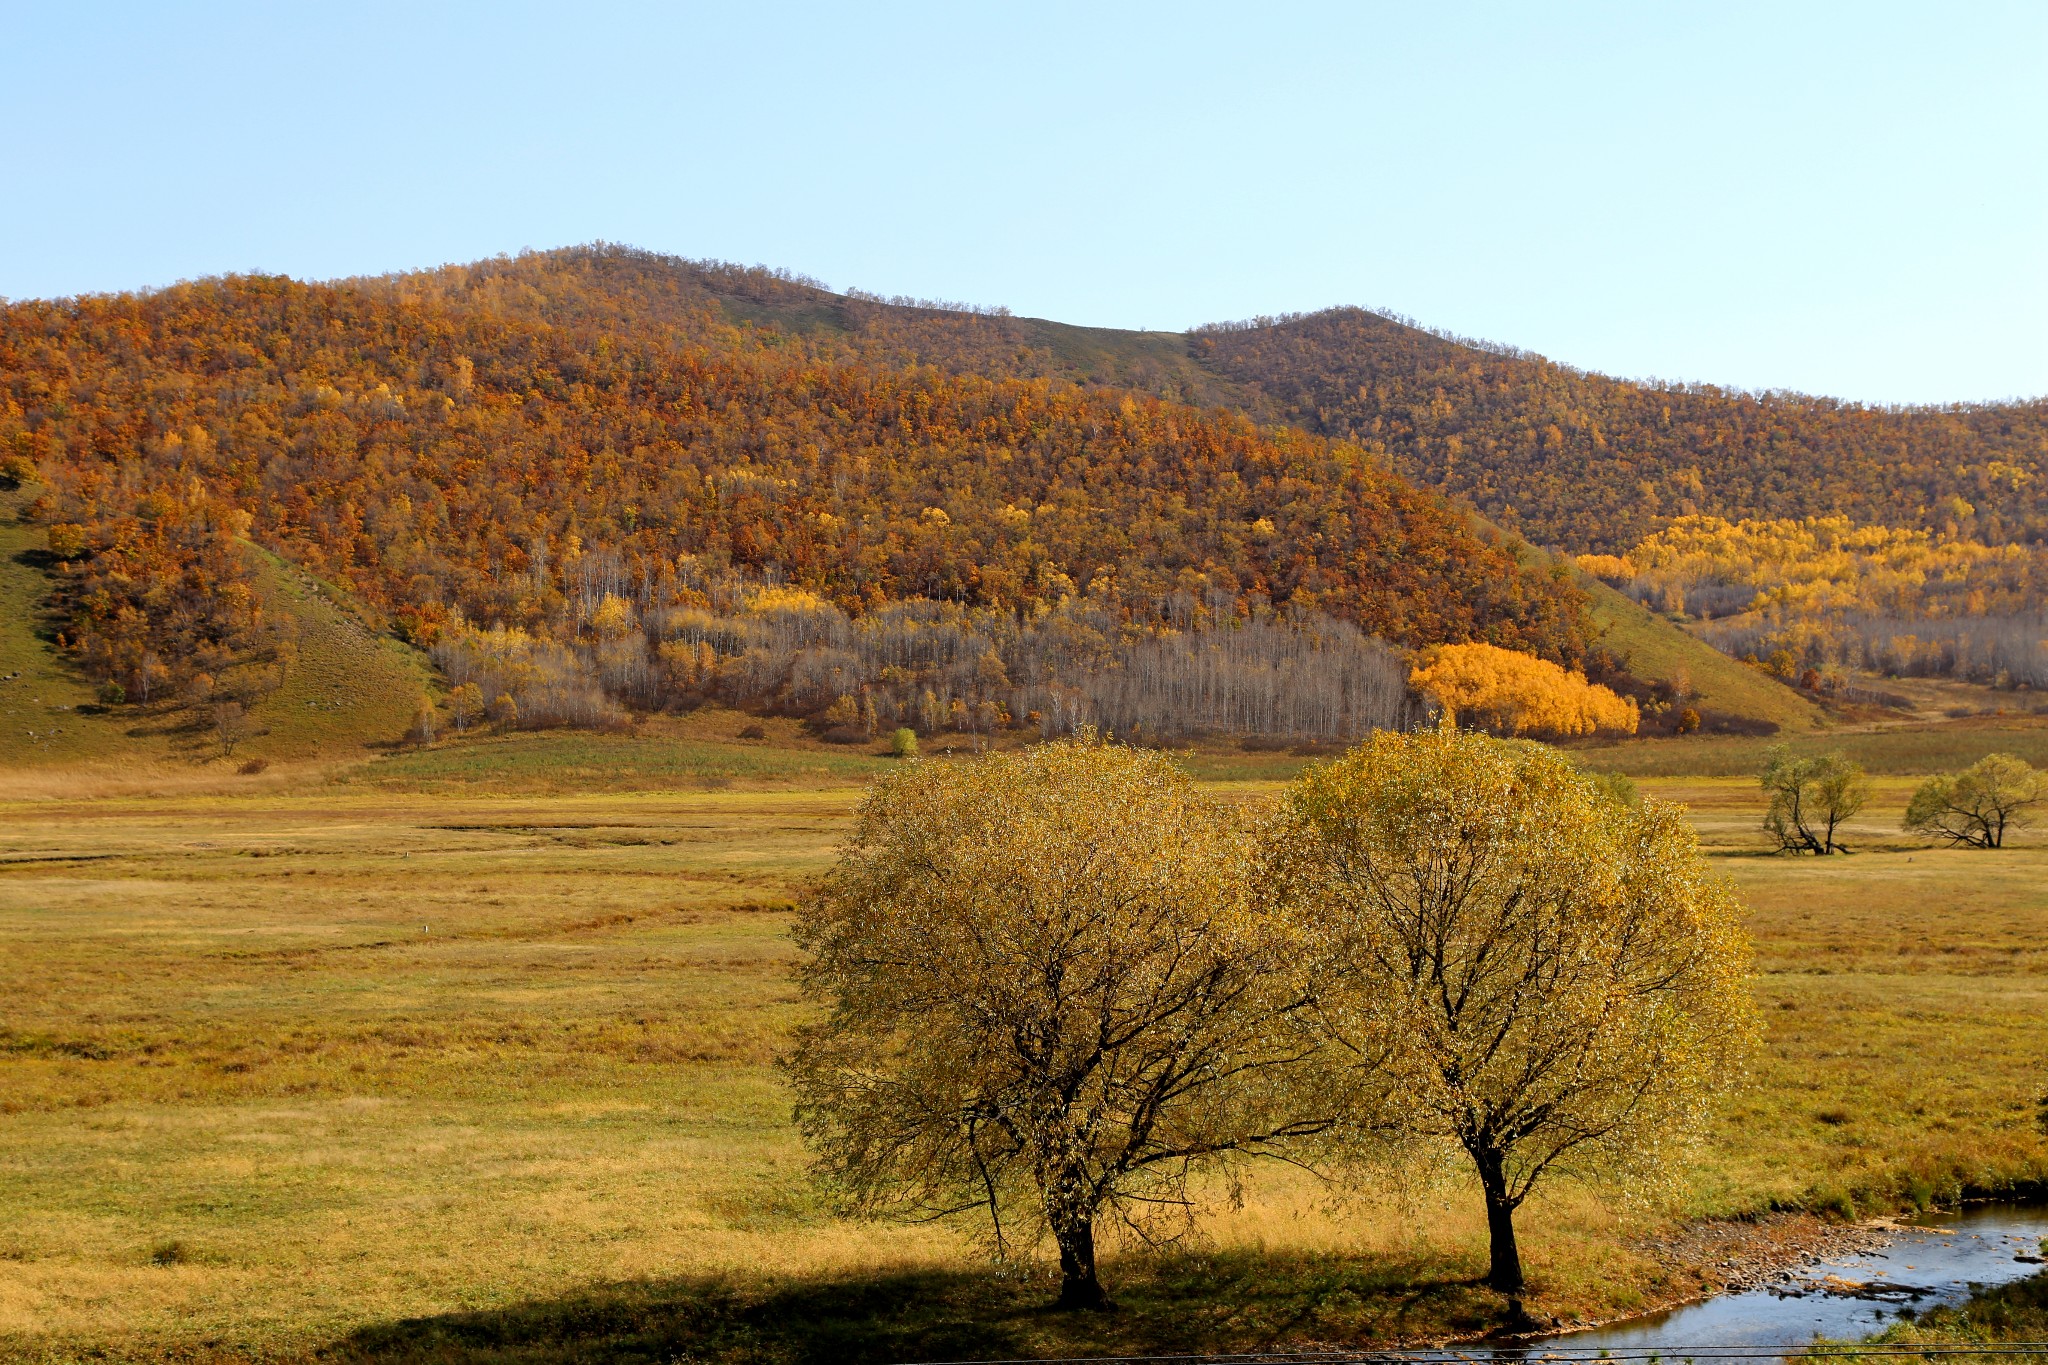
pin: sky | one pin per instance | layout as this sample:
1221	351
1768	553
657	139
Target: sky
1848	199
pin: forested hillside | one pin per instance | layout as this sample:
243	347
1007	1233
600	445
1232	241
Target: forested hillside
599	480
1591	463
1570	459
580	510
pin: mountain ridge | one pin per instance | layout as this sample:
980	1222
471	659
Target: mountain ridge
1570	458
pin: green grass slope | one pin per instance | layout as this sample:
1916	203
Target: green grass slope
1657	649
48	715
349	691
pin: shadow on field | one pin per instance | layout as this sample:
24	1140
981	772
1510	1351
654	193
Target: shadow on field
1172	1306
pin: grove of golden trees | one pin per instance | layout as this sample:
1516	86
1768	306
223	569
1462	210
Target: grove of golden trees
1518	694
1066	994
1827	593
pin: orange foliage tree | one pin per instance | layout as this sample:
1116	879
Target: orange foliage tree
1518	694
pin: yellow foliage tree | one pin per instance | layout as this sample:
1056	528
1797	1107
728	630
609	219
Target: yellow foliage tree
1520	694
613	617
1513	961
1045	990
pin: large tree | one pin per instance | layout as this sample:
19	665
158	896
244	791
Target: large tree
1509	959
1810	799
1046	993
1977	806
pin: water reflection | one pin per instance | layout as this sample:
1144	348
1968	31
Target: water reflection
1940	1259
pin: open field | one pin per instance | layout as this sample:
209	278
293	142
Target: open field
414	1067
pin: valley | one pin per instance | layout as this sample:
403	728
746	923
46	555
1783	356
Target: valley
437	1061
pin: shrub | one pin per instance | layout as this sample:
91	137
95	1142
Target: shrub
903	744
752	732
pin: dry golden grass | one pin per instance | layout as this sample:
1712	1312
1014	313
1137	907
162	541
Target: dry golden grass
294	1070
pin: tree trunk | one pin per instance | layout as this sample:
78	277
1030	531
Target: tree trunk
1078	1286
1504	1274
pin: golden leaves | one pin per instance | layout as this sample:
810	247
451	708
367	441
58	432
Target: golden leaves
1520	694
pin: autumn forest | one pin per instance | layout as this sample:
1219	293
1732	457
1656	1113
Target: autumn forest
597	482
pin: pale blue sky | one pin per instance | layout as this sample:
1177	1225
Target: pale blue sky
1848	198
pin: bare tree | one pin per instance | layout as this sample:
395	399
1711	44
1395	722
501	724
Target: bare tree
230	724
1048	997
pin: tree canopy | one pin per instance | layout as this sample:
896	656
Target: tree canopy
1047	994
1978	806
1509	959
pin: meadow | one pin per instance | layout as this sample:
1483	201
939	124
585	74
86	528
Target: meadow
422	1065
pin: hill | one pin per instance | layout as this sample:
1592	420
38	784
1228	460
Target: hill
1572	459
348	691
1594	463
761	477
582	518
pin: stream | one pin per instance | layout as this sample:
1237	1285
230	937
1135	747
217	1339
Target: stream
1935	1258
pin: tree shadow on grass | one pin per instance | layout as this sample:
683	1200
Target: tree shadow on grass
1166	1306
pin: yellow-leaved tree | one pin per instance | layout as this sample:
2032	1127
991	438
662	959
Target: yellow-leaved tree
1047	993
1509	961
1519	694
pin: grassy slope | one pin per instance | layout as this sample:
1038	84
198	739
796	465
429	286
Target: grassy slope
485	1076
1655	648
351	690
48	717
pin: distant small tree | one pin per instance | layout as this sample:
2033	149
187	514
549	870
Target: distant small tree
424	718
67	540
505	711
903	744
150	674
1810	798
1512	958
613	617
465	704
1047	994
230	725
1976	806
111	693
15	470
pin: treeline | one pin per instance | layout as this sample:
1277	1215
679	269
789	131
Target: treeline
938	666
1999	651
467	464
1822	594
